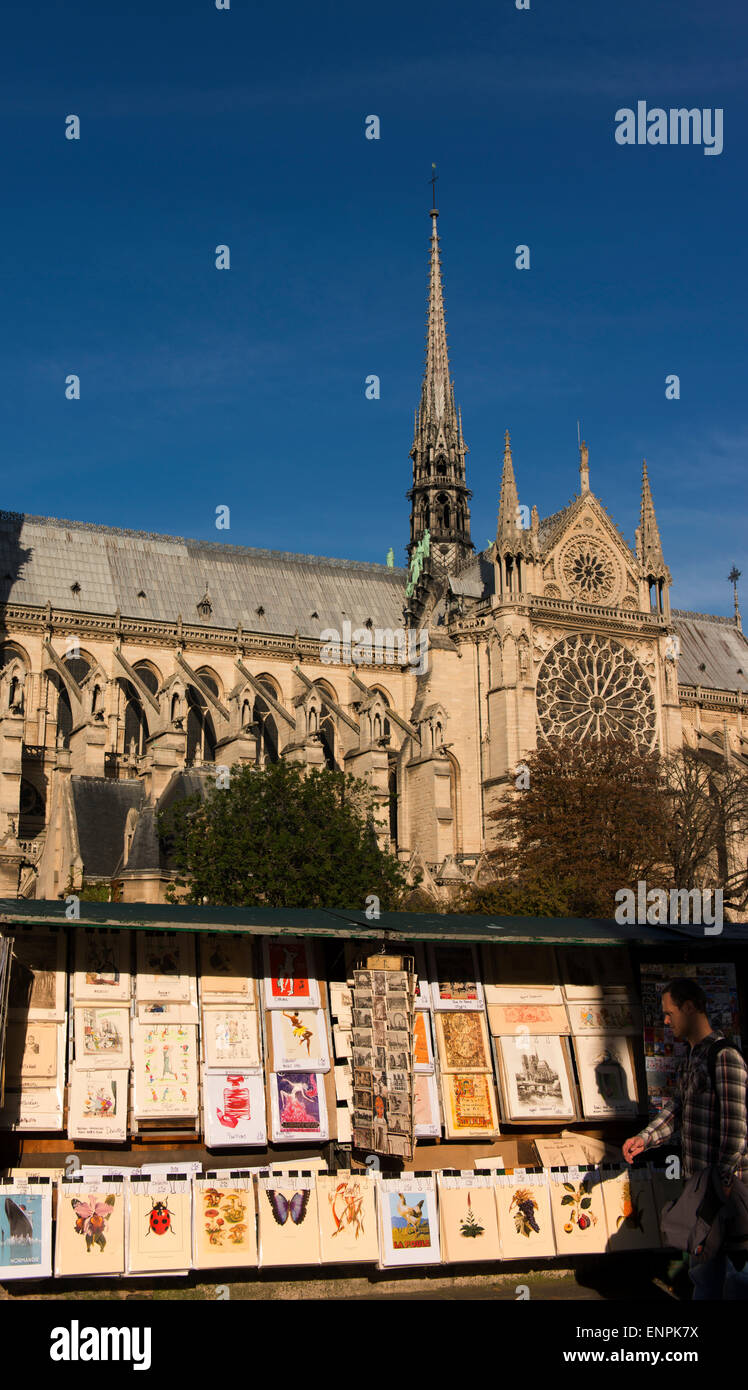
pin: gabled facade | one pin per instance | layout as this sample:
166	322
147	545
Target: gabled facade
135	667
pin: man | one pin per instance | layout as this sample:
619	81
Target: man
712	1125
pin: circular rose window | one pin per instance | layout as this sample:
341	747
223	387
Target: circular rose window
589	570
590	686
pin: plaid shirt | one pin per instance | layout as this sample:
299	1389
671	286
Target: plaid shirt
693	1110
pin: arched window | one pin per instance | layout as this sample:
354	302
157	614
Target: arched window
267	734
327	739
136	724
79	667
201	734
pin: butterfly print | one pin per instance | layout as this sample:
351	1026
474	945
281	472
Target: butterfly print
283	1207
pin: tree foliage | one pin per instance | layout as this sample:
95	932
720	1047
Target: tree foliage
280	836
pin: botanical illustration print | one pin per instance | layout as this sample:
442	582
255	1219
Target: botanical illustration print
165	1069
524	1208
102	1036
578	1203
288	974
91	1221
231	1037
299	1039
409	1220
631	1212
470	1227
225	1215
20	1230
224	1223
578	1213
347	1218
463	1041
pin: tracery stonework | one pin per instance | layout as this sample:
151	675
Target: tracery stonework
589	685
589	570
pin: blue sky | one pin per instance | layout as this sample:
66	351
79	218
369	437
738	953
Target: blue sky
246	387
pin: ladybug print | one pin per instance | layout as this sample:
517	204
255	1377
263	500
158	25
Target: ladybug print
159	1219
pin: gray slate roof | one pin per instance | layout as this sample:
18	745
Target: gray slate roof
100	806
42	558
147	851
717	644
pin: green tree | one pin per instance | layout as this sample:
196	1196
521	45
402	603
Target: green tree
592	820
280	837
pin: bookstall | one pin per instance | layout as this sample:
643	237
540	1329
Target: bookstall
291	1088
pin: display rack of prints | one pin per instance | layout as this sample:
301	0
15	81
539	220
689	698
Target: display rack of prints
536	1079
38	977
663	1053
347	1209
518	973
408	1221
102	966
467	1217
630	1209
290	974
225	1233
166	967
383	1010
455	978
159	1233
234	1109
289	1219
523	1206
578	1211
90	1229
97	1106
25	1229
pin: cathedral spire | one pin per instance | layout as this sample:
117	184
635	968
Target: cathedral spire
512	536
651	555
439	496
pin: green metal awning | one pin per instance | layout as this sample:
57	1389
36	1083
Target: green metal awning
394	927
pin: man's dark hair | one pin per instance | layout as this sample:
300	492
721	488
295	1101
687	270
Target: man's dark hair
682	989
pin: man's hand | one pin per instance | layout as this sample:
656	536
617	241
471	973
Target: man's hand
633	1147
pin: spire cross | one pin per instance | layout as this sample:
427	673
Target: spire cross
432	181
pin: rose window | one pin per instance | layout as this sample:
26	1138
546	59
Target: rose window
593	687
589	570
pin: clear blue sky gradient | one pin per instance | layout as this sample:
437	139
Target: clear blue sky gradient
201	388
